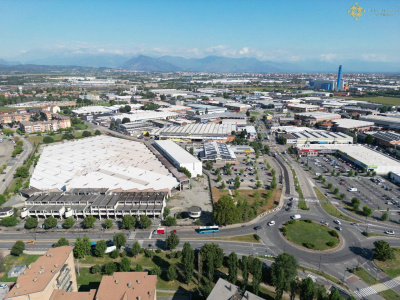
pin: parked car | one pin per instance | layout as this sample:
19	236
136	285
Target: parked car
325	223
3	286
391	232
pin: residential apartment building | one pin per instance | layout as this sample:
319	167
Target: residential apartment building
52	277
56	122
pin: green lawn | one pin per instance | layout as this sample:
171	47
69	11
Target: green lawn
380	99
364	275
303	205
10	261
389	295
302	232
390	267
57	137
254	113
330	208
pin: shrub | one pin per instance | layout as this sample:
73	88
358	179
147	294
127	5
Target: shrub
256	237
48	140
308	221
110	268
158	250
96	269
309	245
284	229
291	222
334	233
114	254
331	244
18	248
365	233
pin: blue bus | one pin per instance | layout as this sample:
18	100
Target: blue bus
208	229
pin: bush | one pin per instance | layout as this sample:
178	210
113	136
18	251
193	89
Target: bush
170	221
331	244
365	233
114	254
48	140
148	253
256	237
309	245
110	268
96	269
9	221
18	248
68	223
308	221
291	222
158	250
50	222
86	133
334	233
31	223
156	271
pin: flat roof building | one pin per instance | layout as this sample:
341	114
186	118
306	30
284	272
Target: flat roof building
238	106
202	109
315	117
363	157
217	152
224	290
101	162
386	122
303	107
196	133
179	157
350	124
321	137
387	139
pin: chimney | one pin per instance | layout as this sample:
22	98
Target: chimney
35	279
138	281
17	285
116	281
56	265
29	266
129	284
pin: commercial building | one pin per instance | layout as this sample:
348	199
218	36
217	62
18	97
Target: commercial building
237	106
131	128
205	109
361	156
179	157
251	132
196	133
352	125
395	177
387	139
143	116
101	162
100	203
217	152
6	211
383	121
315	117
303	107
217	117
224	290
318	137
52	277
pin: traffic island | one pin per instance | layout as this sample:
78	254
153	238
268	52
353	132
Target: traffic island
311	236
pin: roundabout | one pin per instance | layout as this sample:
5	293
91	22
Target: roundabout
311	236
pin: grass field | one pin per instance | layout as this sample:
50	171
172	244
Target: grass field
390	295
10	261
364	275
303	205
381	100
240	238
330	208
57	137
390	267
302	232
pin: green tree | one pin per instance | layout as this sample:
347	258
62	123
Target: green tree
22	172
156	271
170	221
139	268
233	265
68	223
237	182
191	150
62	241
219	178
335	191
257	275
223	186
18	248
88	222
31	223
245	272
145	222
209	165
172	241
108	223
225	211
369	139
110	268
342	196
50	222
330	185
86	133
9	221
283	272
383	251
367	211
385	217
166	212
97	132
82	247
48	140
128	222
187	262
100	248
119	240
335	295
135	248
355	202
350	174
125	265
96	269
212	257
172	274
306	289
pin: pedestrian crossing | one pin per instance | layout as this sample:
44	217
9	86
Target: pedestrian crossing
391	283
365	292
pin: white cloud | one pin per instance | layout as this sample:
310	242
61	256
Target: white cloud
375	57
328	56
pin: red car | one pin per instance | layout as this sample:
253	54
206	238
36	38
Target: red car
342	183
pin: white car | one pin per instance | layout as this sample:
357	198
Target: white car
272	223
337	222
3	286
391	232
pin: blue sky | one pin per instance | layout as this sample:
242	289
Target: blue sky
290	30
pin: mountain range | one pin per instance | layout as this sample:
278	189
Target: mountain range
206	64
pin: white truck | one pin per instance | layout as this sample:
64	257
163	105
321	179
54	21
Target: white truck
352	190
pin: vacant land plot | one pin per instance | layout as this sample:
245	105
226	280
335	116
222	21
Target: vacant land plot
10	261
390	267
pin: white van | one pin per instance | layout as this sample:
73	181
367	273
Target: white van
296	217
352	190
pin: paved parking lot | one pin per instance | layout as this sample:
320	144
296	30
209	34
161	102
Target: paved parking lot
3	292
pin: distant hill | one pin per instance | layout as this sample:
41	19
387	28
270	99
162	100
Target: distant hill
4	62
147	63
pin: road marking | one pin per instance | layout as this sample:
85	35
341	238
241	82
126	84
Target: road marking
365	292
132	235
151	233
391	283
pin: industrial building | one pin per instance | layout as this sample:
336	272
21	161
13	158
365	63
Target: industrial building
303	107
383	121
217	152
315	117
144	115
237	106
220	116
179	157
359	155
352	125
100	203
205	109
53	277
317	137
101	162
196	133
386	138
